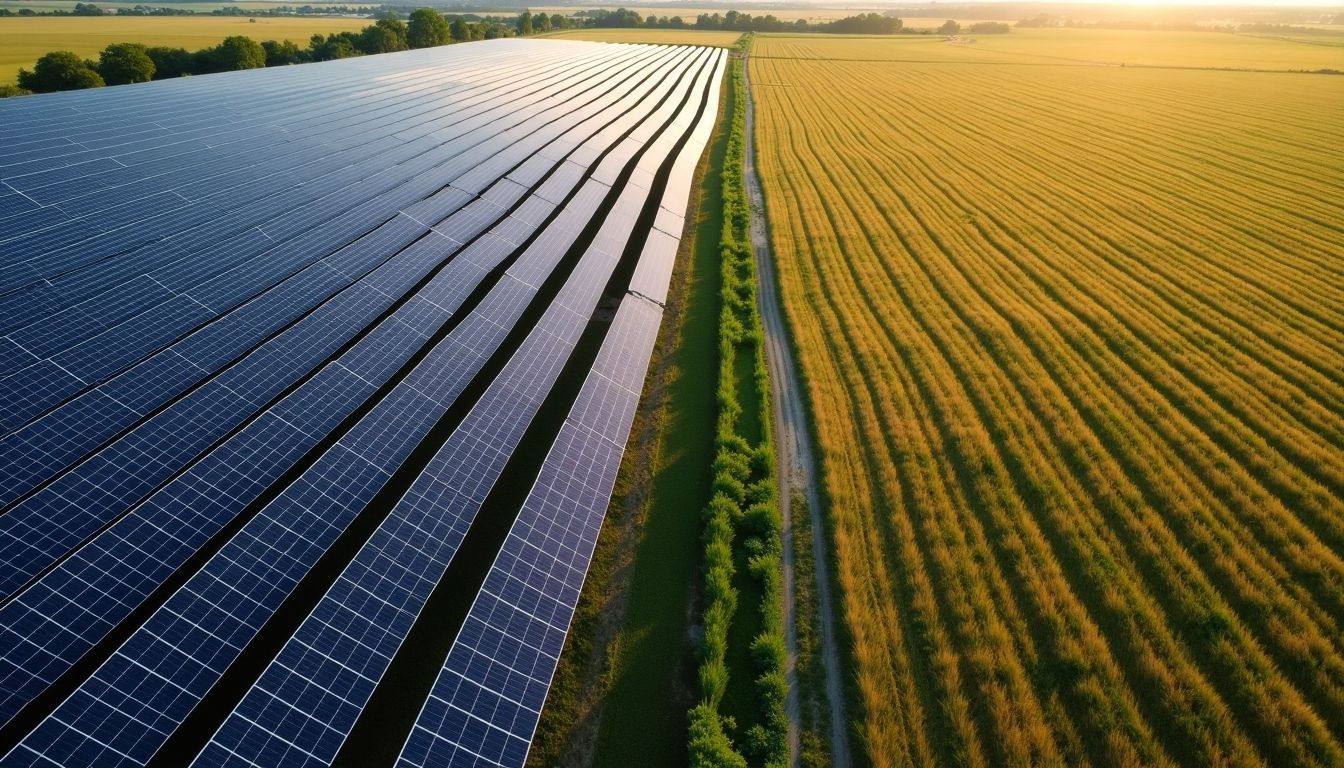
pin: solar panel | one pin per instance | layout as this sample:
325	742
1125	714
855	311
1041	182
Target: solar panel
487	699
227	328
210	293
377	597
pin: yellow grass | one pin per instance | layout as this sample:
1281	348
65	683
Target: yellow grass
658	36
1074	46
1073	339
24	39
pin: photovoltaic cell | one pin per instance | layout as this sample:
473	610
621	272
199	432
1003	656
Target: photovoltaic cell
485	704
191	306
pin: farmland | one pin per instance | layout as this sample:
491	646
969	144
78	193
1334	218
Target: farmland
1072	338
654	36
1037	47
24	39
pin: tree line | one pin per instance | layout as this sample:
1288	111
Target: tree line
123	63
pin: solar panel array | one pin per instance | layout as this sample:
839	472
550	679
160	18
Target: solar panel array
280	332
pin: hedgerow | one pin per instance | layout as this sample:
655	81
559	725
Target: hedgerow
744	512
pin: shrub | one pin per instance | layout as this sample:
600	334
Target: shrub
170	62
427	28
710	747
122	63
60	71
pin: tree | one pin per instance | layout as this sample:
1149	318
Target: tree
87	9
525	23
865	24
989	28
949	27
170	62
386	36
122	63
60	71
7	91
341	45
461	30
234	53
559	22
541	23
427	29
282	53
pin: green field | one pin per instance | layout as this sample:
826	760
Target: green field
25	39
1072	333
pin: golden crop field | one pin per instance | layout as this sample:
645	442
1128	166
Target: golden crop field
25	39
656	36
1073	337
1080	46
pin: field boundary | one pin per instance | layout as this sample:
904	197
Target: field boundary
796	463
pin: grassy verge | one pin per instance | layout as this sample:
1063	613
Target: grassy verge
813	714
742	656
815	725
626	678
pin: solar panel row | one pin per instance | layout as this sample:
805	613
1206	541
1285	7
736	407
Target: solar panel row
408	412
228	328
486	702
292	298
83	502
223	339
307	700
430	167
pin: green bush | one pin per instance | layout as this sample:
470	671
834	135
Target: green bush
710	747
122	63
744	497
60	71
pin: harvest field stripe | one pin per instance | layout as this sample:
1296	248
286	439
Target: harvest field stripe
237	310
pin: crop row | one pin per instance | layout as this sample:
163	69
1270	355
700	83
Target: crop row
1073	345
